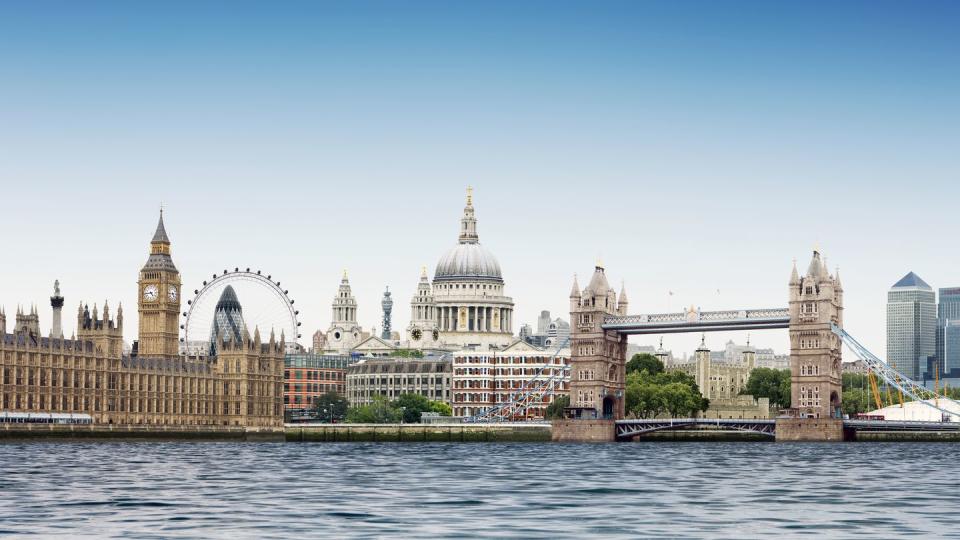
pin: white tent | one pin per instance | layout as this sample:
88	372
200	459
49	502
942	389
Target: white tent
917	411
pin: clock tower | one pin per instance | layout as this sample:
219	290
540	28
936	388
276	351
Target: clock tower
159	300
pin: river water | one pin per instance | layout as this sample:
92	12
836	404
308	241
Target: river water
653	489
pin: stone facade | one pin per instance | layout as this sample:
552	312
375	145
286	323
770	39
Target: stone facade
483	380
391	377
344	333
721	382
816	301
597	356
471	309
241	386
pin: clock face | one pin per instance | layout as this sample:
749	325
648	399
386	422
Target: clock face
436	335
172	293
150	293
417	334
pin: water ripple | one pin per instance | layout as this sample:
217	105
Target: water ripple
652	490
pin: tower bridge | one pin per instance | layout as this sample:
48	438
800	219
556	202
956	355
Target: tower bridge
694	320
601	322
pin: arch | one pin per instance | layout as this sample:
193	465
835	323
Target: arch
836	410
609	405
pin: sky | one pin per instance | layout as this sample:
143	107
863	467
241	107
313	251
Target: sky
695	147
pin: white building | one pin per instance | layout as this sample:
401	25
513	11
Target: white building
483	380
468	293
344	333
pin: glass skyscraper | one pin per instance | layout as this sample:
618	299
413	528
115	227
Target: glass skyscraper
911	325
948	329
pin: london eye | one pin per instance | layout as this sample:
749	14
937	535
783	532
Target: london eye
266	306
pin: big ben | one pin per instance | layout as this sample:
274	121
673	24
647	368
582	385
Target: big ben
159	300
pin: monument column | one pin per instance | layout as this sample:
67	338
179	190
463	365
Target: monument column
56	302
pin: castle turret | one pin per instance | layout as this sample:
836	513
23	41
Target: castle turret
28	323
105	334
3	322
622	300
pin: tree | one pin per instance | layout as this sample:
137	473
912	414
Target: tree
773	384
856	401
645	361
680	400
555	408
331	407
380	411
412	405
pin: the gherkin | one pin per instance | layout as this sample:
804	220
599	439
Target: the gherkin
227	319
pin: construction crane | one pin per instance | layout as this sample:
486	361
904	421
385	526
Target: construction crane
874	389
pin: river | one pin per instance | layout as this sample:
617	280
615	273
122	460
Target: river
651	489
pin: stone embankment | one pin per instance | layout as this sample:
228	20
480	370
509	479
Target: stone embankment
506	432
138	432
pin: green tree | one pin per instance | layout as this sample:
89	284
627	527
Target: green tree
412	405
441	408
680	400
331	407
651	394
380	411
773	384
555	408
856	401
407	353
645	361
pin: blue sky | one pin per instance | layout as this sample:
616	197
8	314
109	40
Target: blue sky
694	146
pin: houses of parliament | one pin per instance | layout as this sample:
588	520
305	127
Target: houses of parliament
239	382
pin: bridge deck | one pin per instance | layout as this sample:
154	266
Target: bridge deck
630	428
699	321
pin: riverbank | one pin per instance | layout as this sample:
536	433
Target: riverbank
507	432
10	432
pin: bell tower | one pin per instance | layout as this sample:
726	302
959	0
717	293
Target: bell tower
159	300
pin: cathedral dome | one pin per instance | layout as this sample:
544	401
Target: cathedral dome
468	261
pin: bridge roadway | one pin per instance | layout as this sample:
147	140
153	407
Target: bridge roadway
699	321
631	428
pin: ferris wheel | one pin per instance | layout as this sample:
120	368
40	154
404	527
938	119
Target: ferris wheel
265	306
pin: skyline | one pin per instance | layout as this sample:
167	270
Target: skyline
722	141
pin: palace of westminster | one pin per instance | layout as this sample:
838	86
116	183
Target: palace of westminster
239	382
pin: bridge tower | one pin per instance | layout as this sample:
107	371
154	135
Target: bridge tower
816	300
597	356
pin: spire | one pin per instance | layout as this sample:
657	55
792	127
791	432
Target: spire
837	277
423	274
622	299
468	223
794	275
816	266
575	291
160	236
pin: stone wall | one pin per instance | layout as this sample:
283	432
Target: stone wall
418	433
584	431
809	429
